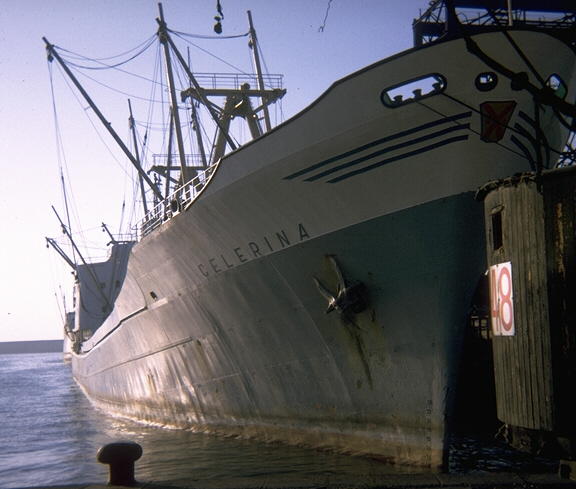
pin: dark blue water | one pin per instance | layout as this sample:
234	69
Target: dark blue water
50	433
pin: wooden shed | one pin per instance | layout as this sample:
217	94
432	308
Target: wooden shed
531	250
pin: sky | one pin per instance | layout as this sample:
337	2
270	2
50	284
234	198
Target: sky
311	42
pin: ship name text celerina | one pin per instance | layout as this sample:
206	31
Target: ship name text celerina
253	249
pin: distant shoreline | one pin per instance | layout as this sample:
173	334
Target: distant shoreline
40	346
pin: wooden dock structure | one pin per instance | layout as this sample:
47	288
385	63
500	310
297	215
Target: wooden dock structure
531	251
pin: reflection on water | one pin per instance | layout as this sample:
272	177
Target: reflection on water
50	434
180	456
174	455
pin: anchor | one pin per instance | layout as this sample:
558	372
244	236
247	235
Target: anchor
348	297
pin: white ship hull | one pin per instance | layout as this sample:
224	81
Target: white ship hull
220	326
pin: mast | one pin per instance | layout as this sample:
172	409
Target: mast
197	87
169	154
510	21
173	101
60	251
133	128
255	53
113	240
198	132
197	129
88	268
107	125
66	206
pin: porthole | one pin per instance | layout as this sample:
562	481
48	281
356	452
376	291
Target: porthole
413	90
486	81
174	206
557	85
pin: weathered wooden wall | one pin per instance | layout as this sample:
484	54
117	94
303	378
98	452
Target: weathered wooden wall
535	370
522	363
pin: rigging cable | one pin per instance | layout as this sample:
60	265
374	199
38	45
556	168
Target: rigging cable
199	36
78	69
95	126
278	101
72	55
60	153
209	53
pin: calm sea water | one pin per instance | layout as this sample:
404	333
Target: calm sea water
50	433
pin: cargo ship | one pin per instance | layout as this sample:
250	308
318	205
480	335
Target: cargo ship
312	285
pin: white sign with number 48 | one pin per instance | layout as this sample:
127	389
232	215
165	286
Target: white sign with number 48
502	299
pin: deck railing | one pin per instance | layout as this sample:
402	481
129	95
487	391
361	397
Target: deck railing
236	80
175	202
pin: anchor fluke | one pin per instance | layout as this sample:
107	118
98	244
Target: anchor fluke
348	297
332	300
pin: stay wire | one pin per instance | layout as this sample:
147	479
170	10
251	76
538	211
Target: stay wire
210	54
199	36
104	66
79	71
62	164
263	60
86	110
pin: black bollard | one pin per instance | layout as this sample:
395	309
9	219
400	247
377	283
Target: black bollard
121	457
